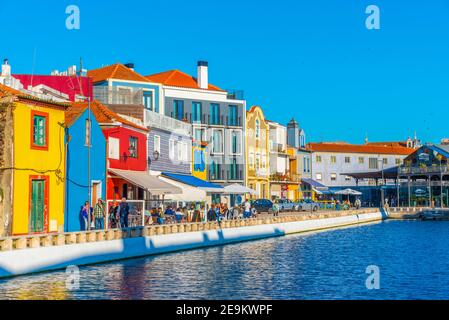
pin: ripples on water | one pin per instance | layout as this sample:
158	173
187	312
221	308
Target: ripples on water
413	258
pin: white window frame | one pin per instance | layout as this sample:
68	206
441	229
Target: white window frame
185	151
153	93
239	142
171	149
222	142
114	148
157	146
319	176
179	153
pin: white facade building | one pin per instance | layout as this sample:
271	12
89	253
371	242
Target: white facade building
330	161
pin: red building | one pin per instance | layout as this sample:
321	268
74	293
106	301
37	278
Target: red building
70	86
126	153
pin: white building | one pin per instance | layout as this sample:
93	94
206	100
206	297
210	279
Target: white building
279	160
330	161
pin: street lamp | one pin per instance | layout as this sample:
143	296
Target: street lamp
440	158
382	195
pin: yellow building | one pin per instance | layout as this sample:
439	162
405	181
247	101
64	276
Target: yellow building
258	153
38	166
294	177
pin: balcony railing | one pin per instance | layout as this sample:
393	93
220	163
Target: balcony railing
114	95
424	170
287	177
160	121
263	173
277	147
228	173
234	94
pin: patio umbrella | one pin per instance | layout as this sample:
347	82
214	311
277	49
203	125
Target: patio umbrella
349	192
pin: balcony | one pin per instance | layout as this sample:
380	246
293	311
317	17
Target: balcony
114	95
261	173
206	119
234	94
278	147
435	169
160	121
286	178
229	173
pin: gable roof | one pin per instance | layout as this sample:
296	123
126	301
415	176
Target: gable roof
176	78
357	148
101	112
115	71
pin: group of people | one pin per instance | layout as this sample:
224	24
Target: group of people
174	214
94	217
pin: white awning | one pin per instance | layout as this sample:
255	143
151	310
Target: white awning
238	189
349	192
146	181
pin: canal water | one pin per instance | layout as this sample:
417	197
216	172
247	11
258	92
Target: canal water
412	257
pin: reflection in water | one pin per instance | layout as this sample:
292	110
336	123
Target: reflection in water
412	257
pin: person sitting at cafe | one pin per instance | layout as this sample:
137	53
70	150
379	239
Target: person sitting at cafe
179	215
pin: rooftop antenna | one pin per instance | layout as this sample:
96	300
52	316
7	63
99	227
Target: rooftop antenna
366	138
79	78
34	64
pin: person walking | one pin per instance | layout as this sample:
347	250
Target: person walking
275	209
247	207
124	213
84	216
99	213
211	213
113	221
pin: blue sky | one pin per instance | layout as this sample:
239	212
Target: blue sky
312	60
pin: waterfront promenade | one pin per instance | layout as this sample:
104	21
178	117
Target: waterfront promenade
38	253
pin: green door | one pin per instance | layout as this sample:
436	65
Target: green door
37	216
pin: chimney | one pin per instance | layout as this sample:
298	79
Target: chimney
6	68
72	71
203	77
130	66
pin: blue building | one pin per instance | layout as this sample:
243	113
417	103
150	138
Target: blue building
79	135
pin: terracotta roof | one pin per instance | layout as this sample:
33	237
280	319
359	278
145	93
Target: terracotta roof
116	71
7	91
73	112
176	78
357	148
101	113
389	144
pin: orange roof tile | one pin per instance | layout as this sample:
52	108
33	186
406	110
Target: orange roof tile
116	71
101	113
357	148
389	143
25	97
176	78
6	91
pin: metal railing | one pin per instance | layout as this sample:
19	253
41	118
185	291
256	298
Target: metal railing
157	120
424	170
115	95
